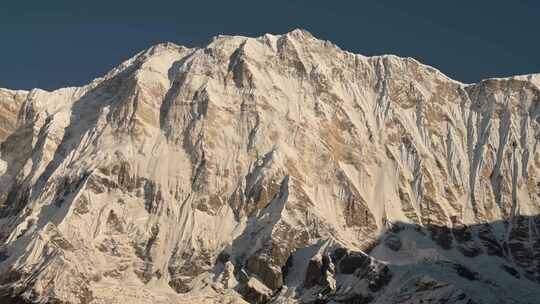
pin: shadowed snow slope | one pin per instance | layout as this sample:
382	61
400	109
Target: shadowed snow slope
274	169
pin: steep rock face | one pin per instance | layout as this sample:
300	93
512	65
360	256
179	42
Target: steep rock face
277	168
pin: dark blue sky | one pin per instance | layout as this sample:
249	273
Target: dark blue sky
51	44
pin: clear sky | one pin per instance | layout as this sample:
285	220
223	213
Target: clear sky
55	43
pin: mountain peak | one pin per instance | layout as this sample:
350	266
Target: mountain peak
269	170
300	32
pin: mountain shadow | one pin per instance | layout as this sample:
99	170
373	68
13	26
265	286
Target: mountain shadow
496	262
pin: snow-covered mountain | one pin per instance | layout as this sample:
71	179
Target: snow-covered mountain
277	169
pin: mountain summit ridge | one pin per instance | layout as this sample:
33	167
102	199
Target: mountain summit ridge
277	169
298	31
